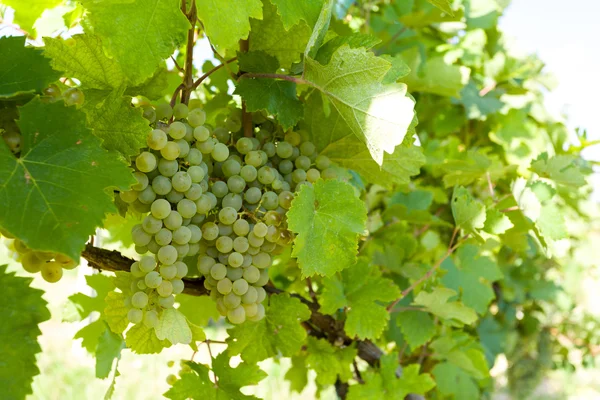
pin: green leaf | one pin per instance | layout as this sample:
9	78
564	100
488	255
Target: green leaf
399	69
139	34
277	97
115	312
329	362
227	21
355	41
334	139
469	214
198	309
360	290
320	30
121	126
269	35
453	381
154	87
562	169
23	308
82	57
109	349
257	61
173	327
472	275
437	303
142	340
327	219
292	11
297	375
378	114
27	72
496	222
56	194
477	106
416	326
232	379
279	331
90	335
387	385
28	11
85	304
551	222
444	5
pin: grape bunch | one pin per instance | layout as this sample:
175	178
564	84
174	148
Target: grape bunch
49	264
220	196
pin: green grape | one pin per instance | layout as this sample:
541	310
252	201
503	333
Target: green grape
253	195
174	196
153	279
248	173
141	285
241	227
329	173
195	233
151	225
171	151
161	185
293	138
218	271
244	145
231	167
194	192
182	235
165	289
228	215
270	200
221	134
264	278
196	173
157	139
272	234
254	159
168	272
302	162
160	208
176	130
134	269
285	199
182	250
234	273
173	220
177	285
142	181
260	313
272	218
151	319
251	309
194	157
284	149
219	189
220	152
149	113
147	264
184	147
286	167
163	111
231	300
277	184
225	230
139	236
73	96
51	271
210	231
182	269
145	162
261	294
261	260
263	157
240	244
233	200
187	208
322	162
299	175
181	181
153	247
224	286
266	175
236	184
253	250
240	287
235	259
193	249
224	244
260	230
268	247
129	196
167	255
270	149
139	300
312	175
52	91
135	316
251	274
203	204
236	315
250	296
168	168
147	195
166	302
196	117
295	154
205	263
180	111
201	134
307	149
31	262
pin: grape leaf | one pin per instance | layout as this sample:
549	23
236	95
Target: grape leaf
444	5
319	30
139	34
109	349
378	114
279	331
387	385
562	169
173	327
355	41
478	106
115	312
82	57
437	303
292	11
198	309
471	275
297	375
327	218
28	11
333	138
121	126
329	362
360	289
416	326
451	380
55	195
142	340
257	61
469	214
27	72
232	14
197	384
551	222
90	334
496	222
23	308
270	36
86	304
154	87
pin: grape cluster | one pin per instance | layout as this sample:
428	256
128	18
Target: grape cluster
217	195
49	264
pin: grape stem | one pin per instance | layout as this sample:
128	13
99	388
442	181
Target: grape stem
188	80
319	325
246	116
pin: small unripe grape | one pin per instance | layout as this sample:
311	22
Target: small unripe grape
293	138
135	316
250	296
165	288
219	271
232	300
151	319
145	162
31	263
220	152
171	151
236	315
73	96
180	111
163	111
178	286
196	117
312	175
201	134
166	302
235	259
147	264
182	269
153	279
240	287
241	227
139	300
157	139
168	271
167	255
224	286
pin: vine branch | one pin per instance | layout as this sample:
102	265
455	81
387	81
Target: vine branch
284	77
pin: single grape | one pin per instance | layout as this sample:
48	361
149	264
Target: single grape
284	149
166	302
329	173
233	200
167	255
221	134
160	209
135	316
73	96
128	196
254	159
251	309
176	130
293	138
31	262
196	173
240	287
171	151
182	235
220	152
253	250
153	279
236	184
194	192
151	319
218	271
145	162
261	295
180	111
240	244
253	195
51	271
165	289
260	313
270	200
139	236
147	264
251	274
313	175
201	134
186	208
182	269
177	285
264	278
261	260
142	181
235	259
181	181
299	175
228	215
302	162
196	117
163	111
173	220
168	271
231	167
241	227
307	149
260	230
224	244
219	189
184	147
161	185
236	315
272	218
139	300
224	286
210	231
231	300
151	224
194	157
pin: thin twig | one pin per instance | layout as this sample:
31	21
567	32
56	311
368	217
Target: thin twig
513	208
179	68
490	185
284	77
209	73
211	361
188	80
357	372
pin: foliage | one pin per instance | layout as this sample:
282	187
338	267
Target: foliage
447	207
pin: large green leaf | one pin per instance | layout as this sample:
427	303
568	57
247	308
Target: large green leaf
57	193
22	310
328	361
561	169
327	219
293	11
